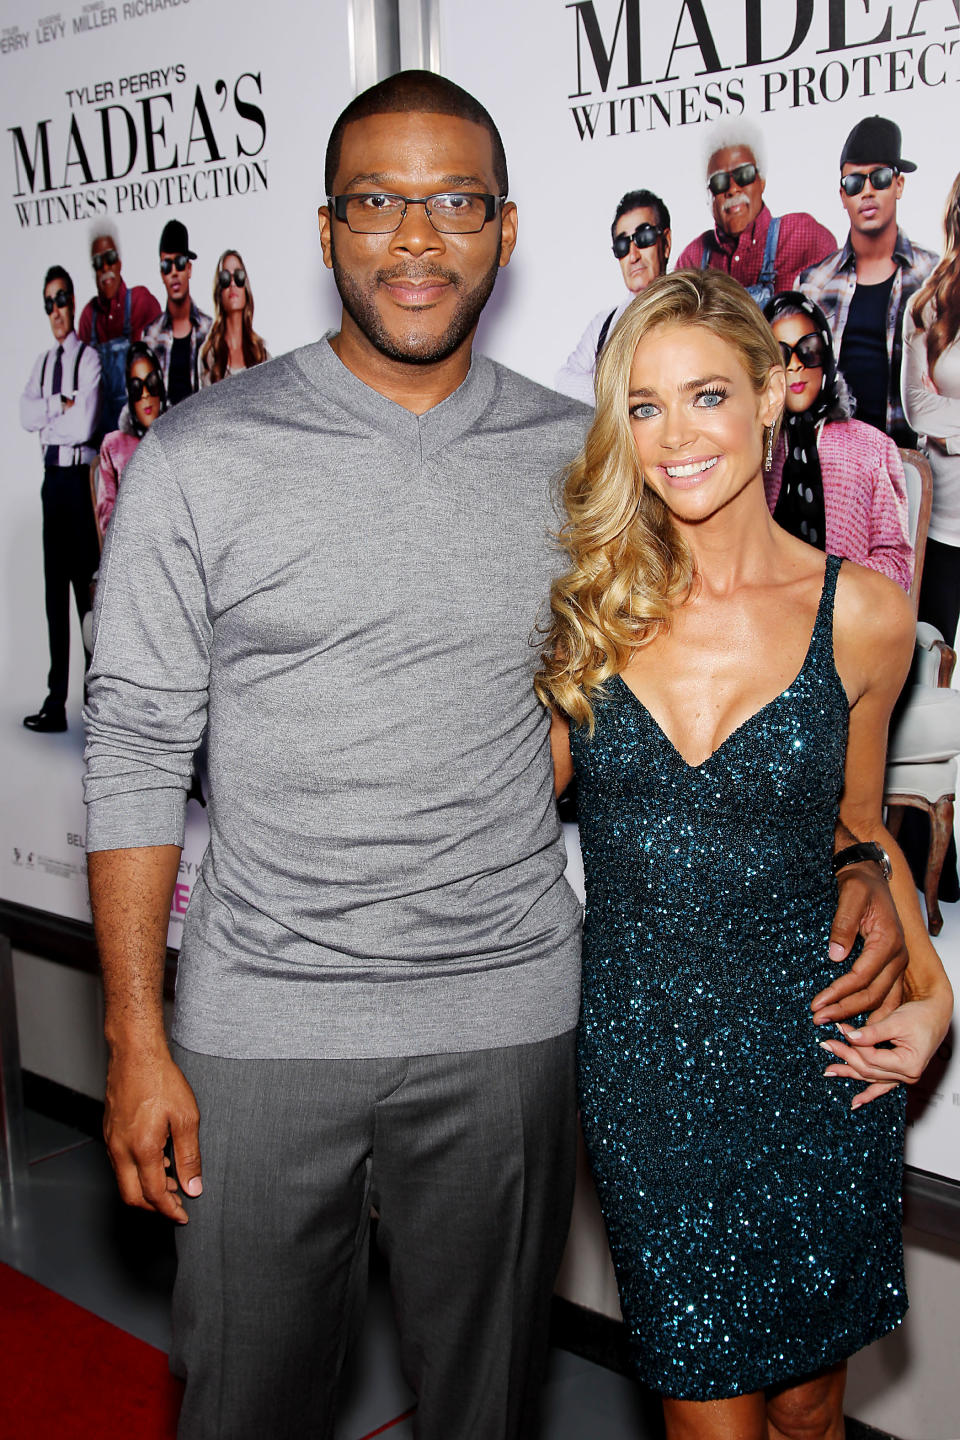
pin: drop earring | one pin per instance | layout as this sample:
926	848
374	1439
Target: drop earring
768	457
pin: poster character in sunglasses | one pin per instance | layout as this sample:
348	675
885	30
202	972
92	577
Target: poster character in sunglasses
116	315
765	253
146	401
834	482
177	337
232	344
864	287
640	236
61	405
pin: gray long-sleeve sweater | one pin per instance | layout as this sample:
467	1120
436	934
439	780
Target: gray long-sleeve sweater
345	592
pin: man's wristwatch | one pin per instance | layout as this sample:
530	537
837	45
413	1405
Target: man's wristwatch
863	850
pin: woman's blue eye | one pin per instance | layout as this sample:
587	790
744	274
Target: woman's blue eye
711	398
643	412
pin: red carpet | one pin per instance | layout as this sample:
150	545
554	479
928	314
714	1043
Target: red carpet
67	1374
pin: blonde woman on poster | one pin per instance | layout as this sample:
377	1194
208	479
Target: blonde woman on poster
232	344
931	402
727	690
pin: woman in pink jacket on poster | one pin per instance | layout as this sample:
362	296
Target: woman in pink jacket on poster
835	482
146	399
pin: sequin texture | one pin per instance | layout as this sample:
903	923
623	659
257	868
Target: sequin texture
753	1217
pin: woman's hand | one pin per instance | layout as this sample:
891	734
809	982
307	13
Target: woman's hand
914	1031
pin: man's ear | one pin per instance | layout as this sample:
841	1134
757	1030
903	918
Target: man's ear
324	222
508	232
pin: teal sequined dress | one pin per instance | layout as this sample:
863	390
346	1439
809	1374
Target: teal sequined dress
753	1217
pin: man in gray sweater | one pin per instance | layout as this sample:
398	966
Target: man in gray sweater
378	983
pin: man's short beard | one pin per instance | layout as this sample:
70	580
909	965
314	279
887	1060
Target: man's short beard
415	350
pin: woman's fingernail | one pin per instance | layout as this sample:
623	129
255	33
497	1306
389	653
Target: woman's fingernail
836	950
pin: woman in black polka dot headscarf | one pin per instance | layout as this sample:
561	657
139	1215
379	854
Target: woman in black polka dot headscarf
833	481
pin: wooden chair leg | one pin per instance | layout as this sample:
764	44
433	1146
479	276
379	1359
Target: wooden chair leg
941	828
895	819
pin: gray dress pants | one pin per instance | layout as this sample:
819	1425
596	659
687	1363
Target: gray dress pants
469	1160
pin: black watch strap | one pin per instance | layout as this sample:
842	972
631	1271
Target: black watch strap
863	850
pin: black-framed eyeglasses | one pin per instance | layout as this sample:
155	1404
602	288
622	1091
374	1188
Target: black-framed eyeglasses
152	383
61	300
458	212
881	179
238	276
643	237
809	350
106	258
179	263
719	182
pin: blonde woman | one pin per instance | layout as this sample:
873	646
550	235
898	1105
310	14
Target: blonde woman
722	691
232	344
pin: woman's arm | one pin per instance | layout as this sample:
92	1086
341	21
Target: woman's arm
927	412
874	638
890	550
106	490
560	750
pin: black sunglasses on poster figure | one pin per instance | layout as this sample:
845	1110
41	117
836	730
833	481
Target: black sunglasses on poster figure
643	237
106	258
881	179
152	383
809	350
239	278
719	182
179	261
61	300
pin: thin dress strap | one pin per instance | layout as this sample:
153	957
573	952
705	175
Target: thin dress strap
821	642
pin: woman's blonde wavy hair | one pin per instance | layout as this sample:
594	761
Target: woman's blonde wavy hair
629	566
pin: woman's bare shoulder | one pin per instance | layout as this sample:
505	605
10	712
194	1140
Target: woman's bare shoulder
874	623
870	598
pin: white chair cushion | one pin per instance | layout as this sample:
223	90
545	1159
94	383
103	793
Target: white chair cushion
929	728
933	782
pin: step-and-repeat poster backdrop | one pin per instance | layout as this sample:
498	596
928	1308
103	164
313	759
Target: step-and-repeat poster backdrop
600	97
117	118
595	98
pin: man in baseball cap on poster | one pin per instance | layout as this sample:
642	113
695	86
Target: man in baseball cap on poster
863	288
179	333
